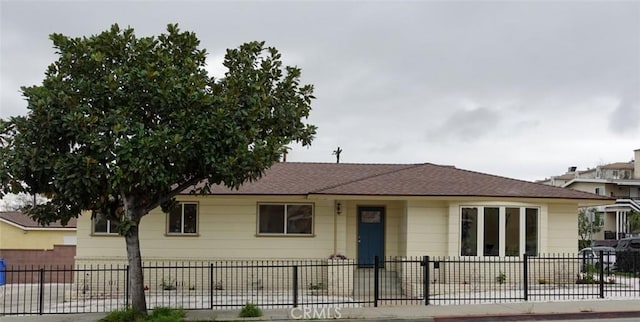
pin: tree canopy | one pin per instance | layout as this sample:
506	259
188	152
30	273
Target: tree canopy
120	125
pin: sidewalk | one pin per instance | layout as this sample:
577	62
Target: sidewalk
607	308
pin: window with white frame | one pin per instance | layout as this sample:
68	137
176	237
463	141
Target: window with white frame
285	219
499	231
103	226
183	219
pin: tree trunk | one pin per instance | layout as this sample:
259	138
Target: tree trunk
136	278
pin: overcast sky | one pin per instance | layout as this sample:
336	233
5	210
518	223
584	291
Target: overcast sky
512	88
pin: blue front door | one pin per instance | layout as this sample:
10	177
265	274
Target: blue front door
370	235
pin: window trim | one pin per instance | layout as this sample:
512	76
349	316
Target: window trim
502	236
108	233
181	204
285	234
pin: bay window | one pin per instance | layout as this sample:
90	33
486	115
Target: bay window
498	231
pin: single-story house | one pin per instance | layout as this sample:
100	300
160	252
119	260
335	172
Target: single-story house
25	243
314	210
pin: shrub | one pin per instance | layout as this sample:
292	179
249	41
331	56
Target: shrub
250	311
168	285
501	278
588	277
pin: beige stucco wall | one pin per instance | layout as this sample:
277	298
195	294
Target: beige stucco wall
590	187
427	228
227	229
609	224
403	229
562	229
12	237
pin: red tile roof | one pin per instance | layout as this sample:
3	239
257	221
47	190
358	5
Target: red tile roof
427	179
25	221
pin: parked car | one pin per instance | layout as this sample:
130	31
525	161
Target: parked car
631	243
604	242
591	256
628	250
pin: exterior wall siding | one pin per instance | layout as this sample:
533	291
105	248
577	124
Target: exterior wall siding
427	224
590	187
403	229
227	229
562	229
395	212
12	237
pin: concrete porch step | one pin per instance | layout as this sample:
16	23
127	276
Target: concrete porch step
388	282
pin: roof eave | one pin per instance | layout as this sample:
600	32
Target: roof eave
329	196
11	223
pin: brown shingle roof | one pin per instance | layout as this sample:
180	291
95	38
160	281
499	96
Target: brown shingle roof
25	221
393	180
293	178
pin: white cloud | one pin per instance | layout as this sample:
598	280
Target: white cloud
520	89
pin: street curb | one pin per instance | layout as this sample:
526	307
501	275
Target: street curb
539	316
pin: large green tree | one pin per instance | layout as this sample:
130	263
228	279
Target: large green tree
121	125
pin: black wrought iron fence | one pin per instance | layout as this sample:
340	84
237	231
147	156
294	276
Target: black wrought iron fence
476	279
60	289
340	283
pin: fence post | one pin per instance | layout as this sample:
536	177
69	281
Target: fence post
41	294
525	276
126	287
376	284
295	285
601	268
212	285
426	279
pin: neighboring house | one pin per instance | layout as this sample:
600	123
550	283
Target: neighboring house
313	210
620	180
24	242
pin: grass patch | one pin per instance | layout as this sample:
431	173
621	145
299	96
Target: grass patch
159	314
250	311
166	314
